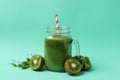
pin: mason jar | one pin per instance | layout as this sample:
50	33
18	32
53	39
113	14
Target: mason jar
57	48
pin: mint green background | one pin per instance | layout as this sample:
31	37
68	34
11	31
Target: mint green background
94	23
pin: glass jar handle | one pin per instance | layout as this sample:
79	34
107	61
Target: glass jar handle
76	43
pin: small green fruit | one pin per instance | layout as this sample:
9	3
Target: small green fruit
72	66
36	62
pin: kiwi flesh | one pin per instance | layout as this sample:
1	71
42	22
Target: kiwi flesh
72	66
36	62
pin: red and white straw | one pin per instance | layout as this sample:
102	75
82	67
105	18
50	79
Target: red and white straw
57	26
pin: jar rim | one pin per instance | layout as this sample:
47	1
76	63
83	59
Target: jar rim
60	27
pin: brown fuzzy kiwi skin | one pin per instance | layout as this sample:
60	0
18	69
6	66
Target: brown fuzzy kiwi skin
41	63
67	67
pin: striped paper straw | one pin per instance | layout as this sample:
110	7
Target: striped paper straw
57	26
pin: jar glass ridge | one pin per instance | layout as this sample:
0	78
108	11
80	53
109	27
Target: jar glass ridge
64	30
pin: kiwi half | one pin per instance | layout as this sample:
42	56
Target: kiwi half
36	62
72	66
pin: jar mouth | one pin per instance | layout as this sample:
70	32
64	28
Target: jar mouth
63	30
60	27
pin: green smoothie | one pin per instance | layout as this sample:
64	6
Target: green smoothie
57	50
